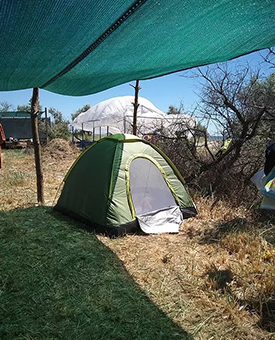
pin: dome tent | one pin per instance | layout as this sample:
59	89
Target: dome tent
121	183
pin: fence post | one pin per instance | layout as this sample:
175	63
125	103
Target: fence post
36	144
136	105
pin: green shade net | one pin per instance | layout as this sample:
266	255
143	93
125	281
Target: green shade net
80	47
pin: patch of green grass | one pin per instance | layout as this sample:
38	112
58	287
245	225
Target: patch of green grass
60	282
17	178
14	153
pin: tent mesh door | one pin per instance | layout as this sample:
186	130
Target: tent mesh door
148	188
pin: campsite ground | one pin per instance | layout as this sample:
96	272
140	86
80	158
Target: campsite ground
213	280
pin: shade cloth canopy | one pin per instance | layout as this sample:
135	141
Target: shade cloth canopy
79	47
115	115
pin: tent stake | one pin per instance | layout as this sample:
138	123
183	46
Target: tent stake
36	144
136	104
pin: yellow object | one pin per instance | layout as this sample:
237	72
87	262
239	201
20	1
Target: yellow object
226	145
269	255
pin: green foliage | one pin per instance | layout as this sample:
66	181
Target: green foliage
173	110
27	108
59	127
200	130
17	177
263	95
82	109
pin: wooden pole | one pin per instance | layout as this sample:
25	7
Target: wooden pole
46	125
136	105
36	145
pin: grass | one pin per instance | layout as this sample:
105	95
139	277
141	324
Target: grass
213	280
59	282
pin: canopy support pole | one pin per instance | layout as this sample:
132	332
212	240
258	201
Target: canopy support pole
36	144
136	105
46	125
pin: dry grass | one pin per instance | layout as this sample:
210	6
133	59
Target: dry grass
205	287
18	177
216	278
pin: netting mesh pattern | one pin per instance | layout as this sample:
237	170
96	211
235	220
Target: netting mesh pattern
43	39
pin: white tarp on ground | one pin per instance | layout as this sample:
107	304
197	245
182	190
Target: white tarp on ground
117	114
167	220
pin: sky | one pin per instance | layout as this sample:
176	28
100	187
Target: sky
174	89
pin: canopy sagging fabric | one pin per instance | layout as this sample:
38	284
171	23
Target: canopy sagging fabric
80	47
116	116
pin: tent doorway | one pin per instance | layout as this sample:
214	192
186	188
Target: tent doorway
152	197
149	189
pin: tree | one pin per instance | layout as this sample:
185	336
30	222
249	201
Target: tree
5	107
82	109
27	108
181	140
240	103
236	103
60	126
173	110
270	57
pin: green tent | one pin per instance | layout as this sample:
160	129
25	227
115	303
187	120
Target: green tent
123	182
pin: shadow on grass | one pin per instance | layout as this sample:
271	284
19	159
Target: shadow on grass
60	282
267	320
222	229
263	225
264	306
266	218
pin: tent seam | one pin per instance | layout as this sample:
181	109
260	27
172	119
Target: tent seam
129	12
112	177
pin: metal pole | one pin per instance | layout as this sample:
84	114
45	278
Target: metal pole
36	144
72	134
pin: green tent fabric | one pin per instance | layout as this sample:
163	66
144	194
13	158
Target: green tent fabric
80	47
121	178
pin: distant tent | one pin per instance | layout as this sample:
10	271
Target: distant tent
115	115
123	182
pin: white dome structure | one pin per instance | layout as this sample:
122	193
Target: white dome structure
115	115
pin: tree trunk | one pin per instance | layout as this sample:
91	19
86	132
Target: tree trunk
136	104
36	145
